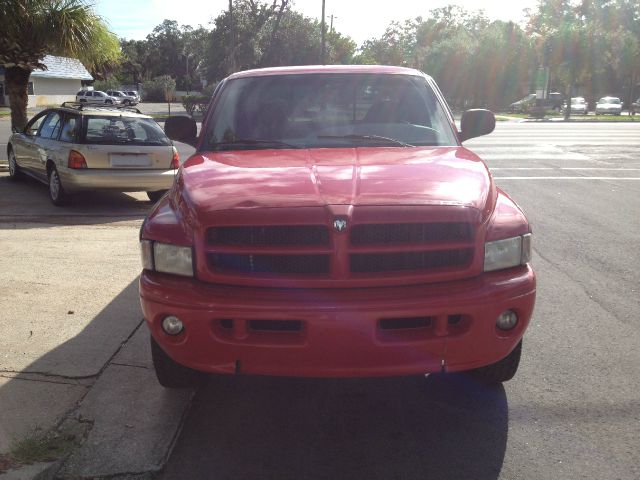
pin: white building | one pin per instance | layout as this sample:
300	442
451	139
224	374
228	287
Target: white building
58	83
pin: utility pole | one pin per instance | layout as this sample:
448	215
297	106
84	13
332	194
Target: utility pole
322	26
233	37
331	27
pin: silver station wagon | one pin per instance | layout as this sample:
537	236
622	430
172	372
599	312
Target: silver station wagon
78	147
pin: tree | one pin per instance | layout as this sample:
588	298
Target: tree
32	29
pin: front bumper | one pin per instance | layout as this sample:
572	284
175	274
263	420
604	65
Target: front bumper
340	332
122	180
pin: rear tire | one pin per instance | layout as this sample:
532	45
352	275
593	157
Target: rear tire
14	169
157	195
171	374
56	191
501	371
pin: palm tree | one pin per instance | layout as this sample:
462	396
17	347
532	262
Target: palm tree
33	28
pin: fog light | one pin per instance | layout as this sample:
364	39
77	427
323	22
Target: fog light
507	320
172	325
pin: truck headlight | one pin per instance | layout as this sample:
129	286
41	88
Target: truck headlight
167	258
507	253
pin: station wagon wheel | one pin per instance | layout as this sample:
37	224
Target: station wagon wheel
14	170
56	191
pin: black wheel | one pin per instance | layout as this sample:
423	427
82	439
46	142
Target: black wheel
500	371
56	191
108	102
14	169
171	374
126	102
157	195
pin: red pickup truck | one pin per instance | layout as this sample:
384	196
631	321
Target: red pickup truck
330	224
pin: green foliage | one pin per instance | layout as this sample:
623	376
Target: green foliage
196	103
591	47
156	90
269	34
34	28
42	447
111	83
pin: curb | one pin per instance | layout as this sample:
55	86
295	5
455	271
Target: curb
127	423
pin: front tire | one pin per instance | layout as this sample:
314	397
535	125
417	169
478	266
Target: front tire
171	374
14	169
501	371
57	193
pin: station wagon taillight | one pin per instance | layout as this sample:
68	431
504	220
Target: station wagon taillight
175	161
76	160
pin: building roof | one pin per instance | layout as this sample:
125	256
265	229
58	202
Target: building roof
62	67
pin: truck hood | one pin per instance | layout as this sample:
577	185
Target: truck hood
214	181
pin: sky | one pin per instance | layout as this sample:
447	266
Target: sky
360	19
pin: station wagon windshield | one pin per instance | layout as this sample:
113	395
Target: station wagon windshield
328	111
123	130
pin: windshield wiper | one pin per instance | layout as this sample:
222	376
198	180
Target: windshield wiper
377	138
254	141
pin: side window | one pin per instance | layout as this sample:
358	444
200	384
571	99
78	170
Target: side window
33	126
69	129
88	94
51	126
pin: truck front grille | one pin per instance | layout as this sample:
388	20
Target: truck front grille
269	264
366	254
271	235
406	261
419	233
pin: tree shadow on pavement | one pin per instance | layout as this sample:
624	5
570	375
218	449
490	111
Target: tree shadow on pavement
439	427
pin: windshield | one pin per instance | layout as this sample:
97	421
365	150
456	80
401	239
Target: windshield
577	101
609	100
114	130
327	111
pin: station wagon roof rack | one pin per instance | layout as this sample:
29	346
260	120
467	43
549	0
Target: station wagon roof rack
86	106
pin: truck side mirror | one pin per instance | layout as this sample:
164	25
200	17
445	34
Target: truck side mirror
182	129
475	123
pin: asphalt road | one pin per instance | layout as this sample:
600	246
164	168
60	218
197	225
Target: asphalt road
573	410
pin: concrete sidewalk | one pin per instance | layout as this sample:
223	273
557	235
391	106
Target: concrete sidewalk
74	356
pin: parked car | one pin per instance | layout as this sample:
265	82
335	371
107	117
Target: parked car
611	105
524	105
95	97
331	224
578	106
635	107
134	94
81	148
122	97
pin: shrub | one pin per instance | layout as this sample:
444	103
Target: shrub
154	90
196	103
